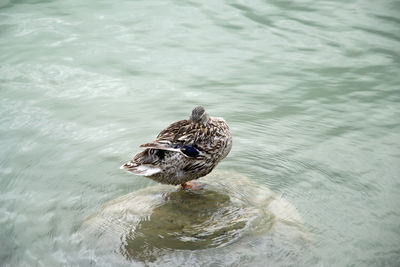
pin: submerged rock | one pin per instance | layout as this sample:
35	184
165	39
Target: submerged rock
232	219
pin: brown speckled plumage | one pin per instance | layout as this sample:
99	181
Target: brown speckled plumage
185	150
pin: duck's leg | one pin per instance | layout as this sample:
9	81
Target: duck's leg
193	185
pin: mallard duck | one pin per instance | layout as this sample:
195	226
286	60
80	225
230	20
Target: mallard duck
186	150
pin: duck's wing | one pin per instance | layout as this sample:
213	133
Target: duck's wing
180	136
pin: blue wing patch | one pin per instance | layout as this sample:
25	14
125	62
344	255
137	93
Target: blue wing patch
190	151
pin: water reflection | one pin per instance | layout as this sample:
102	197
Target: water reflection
232	212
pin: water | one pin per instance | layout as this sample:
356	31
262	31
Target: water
233	221
310	91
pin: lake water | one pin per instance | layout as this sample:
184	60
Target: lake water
310	90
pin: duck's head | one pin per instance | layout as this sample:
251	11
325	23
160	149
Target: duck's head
199	115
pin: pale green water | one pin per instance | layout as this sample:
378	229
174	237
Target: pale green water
311	91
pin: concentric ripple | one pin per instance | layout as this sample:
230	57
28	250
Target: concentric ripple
154	222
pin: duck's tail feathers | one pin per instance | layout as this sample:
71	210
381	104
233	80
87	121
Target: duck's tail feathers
140	169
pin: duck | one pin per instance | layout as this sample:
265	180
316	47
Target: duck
184	151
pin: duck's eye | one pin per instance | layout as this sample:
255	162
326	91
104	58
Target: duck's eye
190	151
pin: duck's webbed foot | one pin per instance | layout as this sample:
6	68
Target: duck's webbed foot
193	185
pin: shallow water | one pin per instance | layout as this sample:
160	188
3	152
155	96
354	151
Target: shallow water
233	220
310	91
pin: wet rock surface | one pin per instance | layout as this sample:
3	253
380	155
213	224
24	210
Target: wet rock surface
232	216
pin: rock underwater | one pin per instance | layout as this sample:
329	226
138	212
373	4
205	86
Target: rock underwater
232	220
